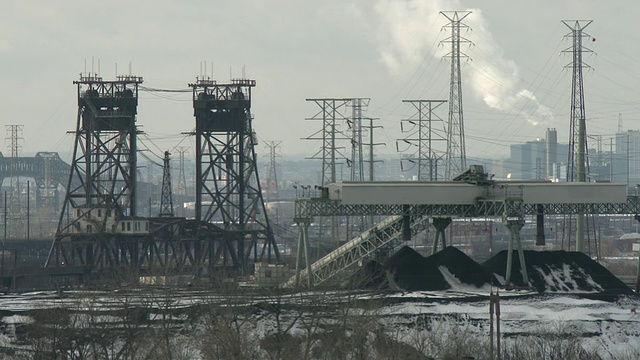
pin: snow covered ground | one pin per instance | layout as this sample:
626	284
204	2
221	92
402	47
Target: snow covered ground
610	328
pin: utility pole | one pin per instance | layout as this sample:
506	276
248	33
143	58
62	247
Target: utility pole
456	158
577	165
423	135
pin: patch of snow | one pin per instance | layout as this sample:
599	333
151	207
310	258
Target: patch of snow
457	285
17	319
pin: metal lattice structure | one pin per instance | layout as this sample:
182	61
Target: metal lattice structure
331	114
501	202
577	163
182	181
456	158
358	106
166	199
383	235
423	135
271	187
228	193
103	173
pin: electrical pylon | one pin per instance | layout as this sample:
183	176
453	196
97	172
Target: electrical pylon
577	164
272	177
15	215
228	193
182	181
371	144
456	158
423	136
358	105
166	199
331	112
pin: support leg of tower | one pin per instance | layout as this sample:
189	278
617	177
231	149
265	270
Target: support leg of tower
406	223
514	227
637	217
540	238
303	245
441	225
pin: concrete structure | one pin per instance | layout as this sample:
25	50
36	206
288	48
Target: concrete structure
432	193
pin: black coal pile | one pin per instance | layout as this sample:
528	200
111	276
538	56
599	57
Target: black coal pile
464	268
558	271
372	275
410	271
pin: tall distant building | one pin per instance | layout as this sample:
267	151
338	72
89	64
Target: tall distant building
528	160
541	159
626	167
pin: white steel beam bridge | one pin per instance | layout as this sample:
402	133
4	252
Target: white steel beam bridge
409	203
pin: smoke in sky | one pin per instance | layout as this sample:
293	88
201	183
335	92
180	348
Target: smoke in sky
409	29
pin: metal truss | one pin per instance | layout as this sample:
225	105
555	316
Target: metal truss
103	169
173	245
383	235
228	190
509	207
166	199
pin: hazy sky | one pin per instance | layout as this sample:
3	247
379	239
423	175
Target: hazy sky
514	86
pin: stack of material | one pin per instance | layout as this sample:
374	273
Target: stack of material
451	269
559	271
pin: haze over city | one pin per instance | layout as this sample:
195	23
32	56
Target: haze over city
514	83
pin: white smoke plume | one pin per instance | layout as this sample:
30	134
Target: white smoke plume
409	28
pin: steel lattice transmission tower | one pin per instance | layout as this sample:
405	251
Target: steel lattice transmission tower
456	158
182	181
228	191
423	135
15	215
358	105
578	162
332	115
331	111
166	199
272	177
102	180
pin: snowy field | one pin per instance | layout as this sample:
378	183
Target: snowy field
609	329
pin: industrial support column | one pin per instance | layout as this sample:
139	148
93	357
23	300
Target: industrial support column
441	225
540	238
637	217
514	226
406	223
303	243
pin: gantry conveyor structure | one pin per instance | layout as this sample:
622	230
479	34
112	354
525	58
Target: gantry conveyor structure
471	196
